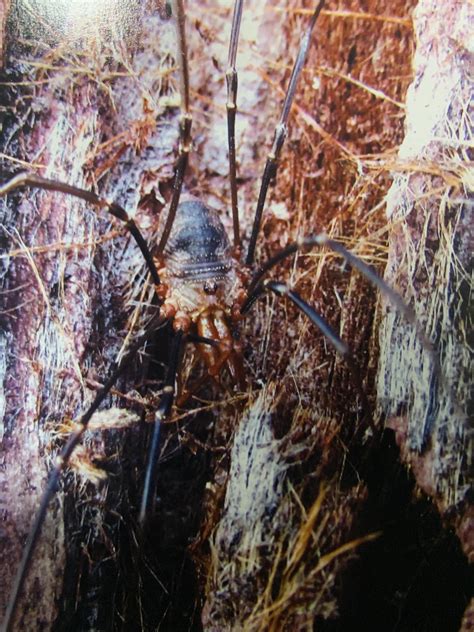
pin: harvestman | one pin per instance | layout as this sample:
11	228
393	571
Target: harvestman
201	283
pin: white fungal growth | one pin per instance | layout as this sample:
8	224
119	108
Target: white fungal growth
113	418
250	519
252	499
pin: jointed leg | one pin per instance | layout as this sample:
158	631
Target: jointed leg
231	105
55	474
280	289
281	132
32	180
162	412
184	123
256	286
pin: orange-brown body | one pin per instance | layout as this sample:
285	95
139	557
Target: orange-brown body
202	287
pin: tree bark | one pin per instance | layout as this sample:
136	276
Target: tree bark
430	254
270	501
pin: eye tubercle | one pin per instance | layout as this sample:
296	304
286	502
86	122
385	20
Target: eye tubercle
210	287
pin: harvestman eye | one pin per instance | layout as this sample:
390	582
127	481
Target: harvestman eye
202	281
210	287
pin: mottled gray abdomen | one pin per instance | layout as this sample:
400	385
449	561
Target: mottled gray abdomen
198	248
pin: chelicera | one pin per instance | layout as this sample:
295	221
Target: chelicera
205	285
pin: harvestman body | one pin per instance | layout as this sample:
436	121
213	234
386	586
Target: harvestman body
202	286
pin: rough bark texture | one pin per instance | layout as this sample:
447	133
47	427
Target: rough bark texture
4	8
430	254
269	500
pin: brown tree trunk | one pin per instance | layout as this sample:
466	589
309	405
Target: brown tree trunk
265	497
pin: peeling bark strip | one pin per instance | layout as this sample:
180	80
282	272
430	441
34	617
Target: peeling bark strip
430	255
4	8
79	113
270	500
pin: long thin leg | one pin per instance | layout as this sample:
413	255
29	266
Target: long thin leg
185	121
231	105
256	286
162	412
55	474
33	180
281	132
281	289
